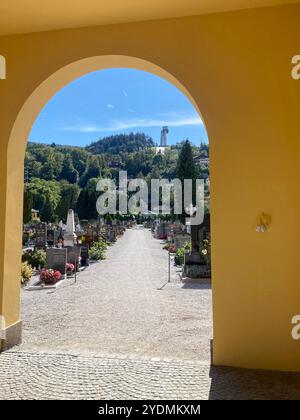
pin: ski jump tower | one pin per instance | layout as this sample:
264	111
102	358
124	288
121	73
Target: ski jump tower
164	137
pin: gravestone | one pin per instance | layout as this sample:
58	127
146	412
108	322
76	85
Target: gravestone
195	264
84	255
193	258
180	239
162	230
56	259
50	237
73	252
26	238
41	235
56	236
108	234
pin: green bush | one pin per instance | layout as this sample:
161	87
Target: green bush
179	256
37	259
97	251
26	273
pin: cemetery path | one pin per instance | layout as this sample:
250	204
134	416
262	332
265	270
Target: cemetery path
116	308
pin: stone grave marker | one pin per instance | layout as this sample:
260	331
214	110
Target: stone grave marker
56	259
50	237
73	252
25	238
56	236
41	235
84	255
181	239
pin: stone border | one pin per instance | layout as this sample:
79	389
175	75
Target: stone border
13	336
200	280
36	285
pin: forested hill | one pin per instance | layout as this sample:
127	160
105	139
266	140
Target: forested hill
60	177
121	143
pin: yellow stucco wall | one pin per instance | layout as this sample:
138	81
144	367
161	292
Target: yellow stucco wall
236	67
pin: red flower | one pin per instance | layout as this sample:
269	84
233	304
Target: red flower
70	267
50	276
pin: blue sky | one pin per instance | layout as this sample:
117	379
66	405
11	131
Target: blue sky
113	101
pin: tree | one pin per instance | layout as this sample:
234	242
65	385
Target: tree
119	143
93	170
186	170
79	159
69	196
91	209
47	213
41	189
68	172
53	170
185	165
28	203
82	204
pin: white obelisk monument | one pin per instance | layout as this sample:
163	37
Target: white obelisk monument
70	236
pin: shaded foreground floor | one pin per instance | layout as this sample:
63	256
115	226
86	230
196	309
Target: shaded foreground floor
115	335
26	375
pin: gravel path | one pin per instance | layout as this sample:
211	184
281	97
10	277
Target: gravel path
116	308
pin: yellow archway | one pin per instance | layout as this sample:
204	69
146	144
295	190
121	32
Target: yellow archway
237	67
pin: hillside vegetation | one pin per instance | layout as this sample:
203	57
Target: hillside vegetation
59	177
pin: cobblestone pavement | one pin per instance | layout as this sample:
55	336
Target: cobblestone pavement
116	307
25	375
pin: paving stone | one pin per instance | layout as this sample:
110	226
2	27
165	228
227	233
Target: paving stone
55	376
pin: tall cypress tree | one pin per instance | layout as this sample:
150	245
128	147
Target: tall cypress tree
47	213
69	196
82	204
185	165
28	203
186	170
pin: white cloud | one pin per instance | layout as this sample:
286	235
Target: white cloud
125	93
119	125
109	106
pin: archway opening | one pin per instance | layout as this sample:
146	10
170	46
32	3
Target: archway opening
42	174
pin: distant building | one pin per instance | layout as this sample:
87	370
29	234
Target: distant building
160	150
35	214
200	160
164	137
114	165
